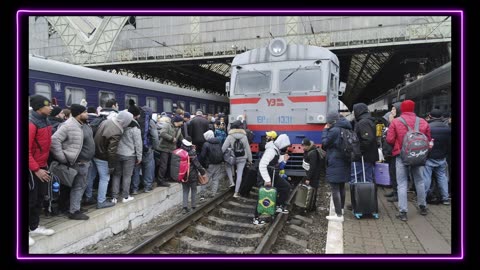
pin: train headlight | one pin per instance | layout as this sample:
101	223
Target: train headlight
277	46
321	118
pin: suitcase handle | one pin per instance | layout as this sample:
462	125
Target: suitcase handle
355	171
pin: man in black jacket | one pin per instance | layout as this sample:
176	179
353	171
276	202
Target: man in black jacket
314	165
365	130
437	158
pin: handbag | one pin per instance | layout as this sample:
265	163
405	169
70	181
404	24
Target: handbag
202	179
229	156
65	174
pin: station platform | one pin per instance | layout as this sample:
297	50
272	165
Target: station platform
72	235
430	234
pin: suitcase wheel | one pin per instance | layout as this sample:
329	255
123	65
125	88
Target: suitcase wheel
358	216
375	215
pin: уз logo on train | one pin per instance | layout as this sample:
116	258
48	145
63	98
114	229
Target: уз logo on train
272	102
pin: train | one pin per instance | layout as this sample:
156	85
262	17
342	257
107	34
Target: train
288	88
66	84
433	90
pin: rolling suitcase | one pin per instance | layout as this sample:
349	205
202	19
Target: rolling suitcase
382	176
304	196
267	197
363	196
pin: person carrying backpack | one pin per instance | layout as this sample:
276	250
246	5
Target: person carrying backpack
195	168
238	142
365	131
211	158
338	168
314	165
395	137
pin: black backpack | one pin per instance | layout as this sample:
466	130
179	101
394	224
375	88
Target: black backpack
350	144
95	124
216	155
238	148
250	135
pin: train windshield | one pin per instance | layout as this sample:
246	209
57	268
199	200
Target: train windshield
253	82
300	79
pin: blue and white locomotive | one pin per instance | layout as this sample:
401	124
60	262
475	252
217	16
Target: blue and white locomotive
66	84
287	88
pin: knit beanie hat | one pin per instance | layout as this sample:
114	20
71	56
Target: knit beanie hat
407	106
39	101
77	109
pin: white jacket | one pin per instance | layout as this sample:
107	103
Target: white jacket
271	149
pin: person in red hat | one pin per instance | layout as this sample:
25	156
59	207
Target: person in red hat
395	134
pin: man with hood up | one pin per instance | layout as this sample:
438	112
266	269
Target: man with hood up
106	140
269	166
211	158
365	130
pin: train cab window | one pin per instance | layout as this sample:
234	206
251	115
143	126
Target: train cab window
181	105
104	96
151	102
193	107
167	105
301	80
253	82
211	108
128	97
43	89
203	107
74	95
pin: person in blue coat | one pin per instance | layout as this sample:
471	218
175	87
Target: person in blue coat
338	168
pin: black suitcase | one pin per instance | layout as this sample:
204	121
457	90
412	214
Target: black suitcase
363	196
249	179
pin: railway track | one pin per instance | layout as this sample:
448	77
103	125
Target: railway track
222	225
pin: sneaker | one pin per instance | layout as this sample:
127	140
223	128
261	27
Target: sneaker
236	195
147	190
89	201
203	198
105	204
163	184
335	218
402	216
446	202
185	210
423	210
31	242
391	194
231	186
257	221
114	200
281	209
135	192
40	230
129	198
393	199
78	216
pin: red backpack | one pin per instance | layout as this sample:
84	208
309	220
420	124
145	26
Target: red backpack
180	165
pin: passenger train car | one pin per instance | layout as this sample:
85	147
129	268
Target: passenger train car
432	90
287	88
66	84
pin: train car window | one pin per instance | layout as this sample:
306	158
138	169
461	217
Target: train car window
104	96
308	79
74	95
181	105
253	82
203	107
43	89
193	107
151	102
128	97
211	108
167	105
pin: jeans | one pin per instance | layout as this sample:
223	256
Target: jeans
402	181
439	167
102	167
215	173
369	172
124	170
187	187
79	185
92	173
148	167
240	162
